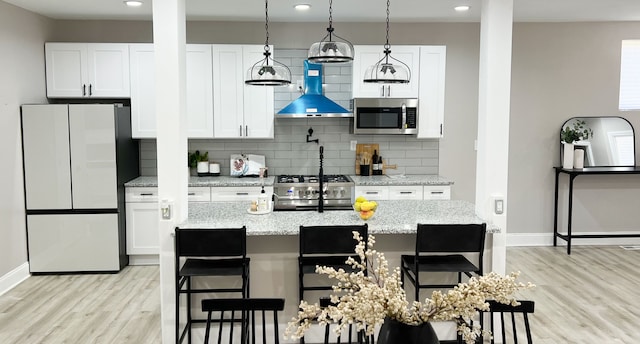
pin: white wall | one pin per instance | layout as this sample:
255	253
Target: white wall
22	37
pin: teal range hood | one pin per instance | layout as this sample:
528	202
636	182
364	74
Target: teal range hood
313	103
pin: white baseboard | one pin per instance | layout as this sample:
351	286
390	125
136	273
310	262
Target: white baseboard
14	277
546	239
144	259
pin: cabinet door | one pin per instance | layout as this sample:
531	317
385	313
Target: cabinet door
199	91
432	83
66	70
258	100
143	220
93	156
367	55
228	88
434	192
411	192
108	70
373	193
47	173
143	91
240	193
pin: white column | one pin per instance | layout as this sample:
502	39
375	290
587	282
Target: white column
169	36
493	120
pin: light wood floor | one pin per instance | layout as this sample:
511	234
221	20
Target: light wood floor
588	297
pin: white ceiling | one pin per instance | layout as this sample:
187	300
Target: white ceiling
343	10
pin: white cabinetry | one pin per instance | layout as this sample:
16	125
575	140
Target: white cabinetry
238	193
411	192
143	91
437	192
240	111
143	216
367	55
431	97
403	192
87	70
199	91
372	193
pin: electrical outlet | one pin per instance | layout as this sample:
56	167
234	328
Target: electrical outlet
165	209
353	145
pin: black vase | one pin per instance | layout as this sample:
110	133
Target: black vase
394	332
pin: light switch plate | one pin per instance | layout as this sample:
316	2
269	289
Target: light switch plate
499	206
353	145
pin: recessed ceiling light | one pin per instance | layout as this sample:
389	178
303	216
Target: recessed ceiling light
302	7
462	8
133	3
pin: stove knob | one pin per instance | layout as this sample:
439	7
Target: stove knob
300	194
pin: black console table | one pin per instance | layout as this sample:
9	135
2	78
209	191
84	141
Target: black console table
573	173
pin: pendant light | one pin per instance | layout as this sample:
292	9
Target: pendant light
268	72
388	70
329	50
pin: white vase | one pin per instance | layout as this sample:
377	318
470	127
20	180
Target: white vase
567	156
578	158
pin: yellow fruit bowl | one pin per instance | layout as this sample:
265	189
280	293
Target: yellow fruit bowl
364	208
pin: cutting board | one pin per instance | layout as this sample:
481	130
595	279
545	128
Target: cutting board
364	151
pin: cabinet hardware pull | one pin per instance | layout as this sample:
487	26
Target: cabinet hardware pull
440	129
84	90
405	192
382	91
146	194
242	193
437	192
191	194
241	130
371	192
246	130
90	92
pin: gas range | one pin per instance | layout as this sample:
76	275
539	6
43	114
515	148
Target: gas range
301	192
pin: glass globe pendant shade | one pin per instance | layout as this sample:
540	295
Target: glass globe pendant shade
331	51
268	72
388	71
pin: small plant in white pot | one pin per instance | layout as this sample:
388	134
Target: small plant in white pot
569	135
199	162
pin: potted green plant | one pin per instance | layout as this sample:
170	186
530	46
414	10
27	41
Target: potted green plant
199	162
578	131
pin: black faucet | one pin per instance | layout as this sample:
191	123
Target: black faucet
321	181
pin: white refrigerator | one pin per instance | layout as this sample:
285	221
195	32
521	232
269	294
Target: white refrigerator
76	160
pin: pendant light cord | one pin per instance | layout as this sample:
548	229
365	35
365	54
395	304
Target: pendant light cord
386	46
330	28
266	26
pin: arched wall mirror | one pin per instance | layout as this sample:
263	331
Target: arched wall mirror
611	141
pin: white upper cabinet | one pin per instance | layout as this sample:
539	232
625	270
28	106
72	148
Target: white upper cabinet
367	55
431	97
143	91
199	91
87	70
240	111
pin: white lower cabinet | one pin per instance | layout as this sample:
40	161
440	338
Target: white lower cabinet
403	192
411	192
373	193
143	216
239	193
437	192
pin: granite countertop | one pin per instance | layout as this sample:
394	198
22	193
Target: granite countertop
391	217
152	181
398	180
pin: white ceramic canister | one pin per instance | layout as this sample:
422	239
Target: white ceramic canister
214	167
203	167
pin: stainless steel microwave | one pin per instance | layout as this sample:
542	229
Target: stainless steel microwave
385	116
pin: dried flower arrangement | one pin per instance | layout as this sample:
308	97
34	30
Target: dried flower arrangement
367	299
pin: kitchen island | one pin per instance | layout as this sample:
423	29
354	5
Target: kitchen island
272	242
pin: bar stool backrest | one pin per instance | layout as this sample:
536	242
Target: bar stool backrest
450	238
211	242
330	239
